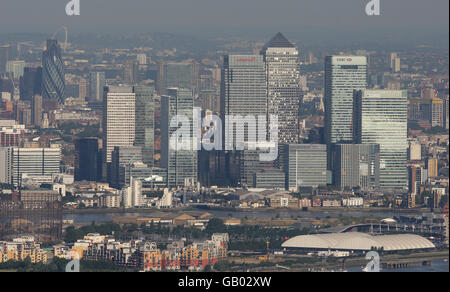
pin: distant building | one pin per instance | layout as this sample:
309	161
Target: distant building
96	84
415	151
432	166
177	75
4	57
15	68
6	154
36	111
437	112
131	72
395	63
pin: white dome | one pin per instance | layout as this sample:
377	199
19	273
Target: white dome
359	241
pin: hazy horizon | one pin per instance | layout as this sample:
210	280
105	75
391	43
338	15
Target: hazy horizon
231	17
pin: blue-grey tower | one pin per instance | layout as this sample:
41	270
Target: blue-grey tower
53	83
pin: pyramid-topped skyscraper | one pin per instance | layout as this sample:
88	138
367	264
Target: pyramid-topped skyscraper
283	74
279	41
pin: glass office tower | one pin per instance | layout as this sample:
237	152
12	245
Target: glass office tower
179	160
343	74
53	82
145	122
380	117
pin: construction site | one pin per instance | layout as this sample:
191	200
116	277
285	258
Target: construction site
31	212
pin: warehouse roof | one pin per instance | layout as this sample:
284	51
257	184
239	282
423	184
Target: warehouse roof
359	241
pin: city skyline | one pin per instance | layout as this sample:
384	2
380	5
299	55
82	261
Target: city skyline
224	136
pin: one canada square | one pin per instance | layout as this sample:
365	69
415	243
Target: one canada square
283	74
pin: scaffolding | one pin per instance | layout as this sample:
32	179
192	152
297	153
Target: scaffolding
39	214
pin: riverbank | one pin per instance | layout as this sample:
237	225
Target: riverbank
243	210
413	262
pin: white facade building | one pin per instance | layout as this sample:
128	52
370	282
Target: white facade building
118	119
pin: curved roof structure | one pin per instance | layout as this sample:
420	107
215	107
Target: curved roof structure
359	241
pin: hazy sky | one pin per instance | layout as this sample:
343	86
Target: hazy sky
218	16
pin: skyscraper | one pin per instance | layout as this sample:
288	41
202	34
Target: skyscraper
86	154
380	117
343	74
6	165
181	163
131	72
177	75
118	120
4	57
36	110
96	85
53	82
15	68
145	122
30	83
243	88
243	93
283	87
356	165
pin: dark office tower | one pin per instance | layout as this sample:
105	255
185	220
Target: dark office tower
343	74
86	154
6	85
131	72
145	122
180	161
283	87
30	83
53	83
4	52
96	85
36	110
